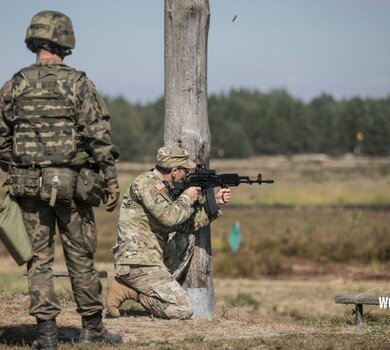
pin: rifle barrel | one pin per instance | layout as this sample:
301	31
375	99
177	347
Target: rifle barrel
259	180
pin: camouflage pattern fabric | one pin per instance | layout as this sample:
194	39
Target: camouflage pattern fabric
74	124
51	26
148	215
44	127
78	236
160	293
155	243
170	157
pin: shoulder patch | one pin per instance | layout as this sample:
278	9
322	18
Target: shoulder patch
144	181
159	186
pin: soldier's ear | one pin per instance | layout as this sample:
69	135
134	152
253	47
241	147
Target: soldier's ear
174	171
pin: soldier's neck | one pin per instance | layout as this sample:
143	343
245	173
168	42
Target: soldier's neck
46	55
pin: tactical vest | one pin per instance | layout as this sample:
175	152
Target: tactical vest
45	117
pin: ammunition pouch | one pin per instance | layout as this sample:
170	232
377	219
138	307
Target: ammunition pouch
24	181
90	187
58	184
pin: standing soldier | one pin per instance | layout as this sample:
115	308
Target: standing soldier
52	124
155	241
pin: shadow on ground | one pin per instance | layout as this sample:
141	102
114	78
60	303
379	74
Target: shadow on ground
23	335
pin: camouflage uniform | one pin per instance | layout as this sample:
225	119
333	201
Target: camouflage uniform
75	220
154	228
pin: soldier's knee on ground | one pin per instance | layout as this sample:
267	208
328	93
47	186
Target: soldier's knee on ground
187	312
182	313
175	312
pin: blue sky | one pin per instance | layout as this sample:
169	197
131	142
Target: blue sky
308	47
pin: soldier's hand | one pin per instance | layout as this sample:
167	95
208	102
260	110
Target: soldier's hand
223	196
193	193
111	194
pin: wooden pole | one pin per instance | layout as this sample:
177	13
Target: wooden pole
186	25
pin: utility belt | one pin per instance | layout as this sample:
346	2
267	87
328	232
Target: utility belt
54	184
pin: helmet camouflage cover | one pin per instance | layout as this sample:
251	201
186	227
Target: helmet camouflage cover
170	157
51	26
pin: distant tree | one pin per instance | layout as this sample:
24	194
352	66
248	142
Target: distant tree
127	130
152	116
321	114
377	127
247	122
353	117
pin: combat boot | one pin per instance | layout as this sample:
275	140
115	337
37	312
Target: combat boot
47	335
117	293
93	331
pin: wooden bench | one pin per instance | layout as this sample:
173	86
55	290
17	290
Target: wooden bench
101	274
358	301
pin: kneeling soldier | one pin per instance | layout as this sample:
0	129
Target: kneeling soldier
152	221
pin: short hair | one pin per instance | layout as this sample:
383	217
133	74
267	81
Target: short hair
163	170
34	45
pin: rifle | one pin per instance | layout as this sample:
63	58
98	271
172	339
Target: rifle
207	179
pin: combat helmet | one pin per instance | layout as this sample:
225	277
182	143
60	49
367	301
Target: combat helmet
50	30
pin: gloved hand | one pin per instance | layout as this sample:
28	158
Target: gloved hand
111	194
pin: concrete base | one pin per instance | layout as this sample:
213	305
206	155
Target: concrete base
202	299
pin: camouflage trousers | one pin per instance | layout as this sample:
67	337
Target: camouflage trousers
159	291
76	226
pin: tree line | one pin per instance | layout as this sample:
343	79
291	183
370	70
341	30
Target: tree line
247	122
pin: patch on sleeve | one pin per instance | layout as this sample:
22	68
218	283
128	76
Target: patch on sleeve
159	186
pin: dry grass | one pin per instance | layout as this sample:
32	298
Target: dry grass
279	240
272	237
316	226
301	180
250	314
295	260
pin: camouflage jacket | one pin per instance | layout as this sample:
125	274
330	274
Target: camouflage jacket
148	215
91	118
